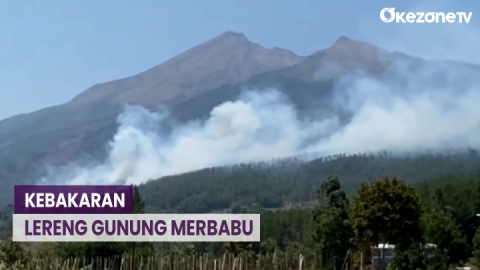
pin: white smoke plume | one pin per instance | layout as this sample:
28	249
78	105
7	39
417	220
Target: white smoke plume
436	108
420	107
256	127
403	119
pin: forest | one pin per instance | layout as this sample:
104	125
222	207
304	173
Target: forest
331	210
288	183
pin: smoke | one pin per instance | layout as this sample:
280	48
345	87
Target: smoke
429	107
256	127
406	118
411	108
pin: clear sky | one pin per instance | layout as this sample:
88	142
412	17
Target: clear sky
52	50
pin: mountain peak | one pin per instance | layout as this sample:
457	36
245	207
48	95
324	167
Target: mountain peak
351	52
344	39
228	38
343	56
347	45
228	58
232	34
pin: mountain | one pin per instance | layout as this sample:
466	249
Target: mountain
191	83
308	84
58	134
226	59
342	57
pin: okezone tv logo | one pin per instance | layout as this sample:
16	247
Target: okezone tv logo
390	11
424	17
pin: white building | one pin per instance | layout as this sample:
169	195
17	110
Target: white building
389	252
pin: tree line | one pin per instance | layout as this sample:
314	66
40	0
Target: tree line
337	224
337	229
290	183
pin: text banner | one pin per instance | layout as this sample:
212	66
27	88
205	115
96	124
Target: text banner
137	228
73	199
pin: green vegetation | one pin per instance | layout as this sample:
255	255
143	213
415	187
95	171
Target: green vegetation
290	183
326	213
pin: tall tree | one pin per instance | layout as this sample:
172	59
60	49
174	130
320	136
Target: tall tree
333	232
138	203
139	248
441	230
476	247
387	211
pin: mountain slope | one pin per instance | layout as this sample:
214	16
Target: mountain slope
226	59
308	84
61	133
207	75
344	56
292	183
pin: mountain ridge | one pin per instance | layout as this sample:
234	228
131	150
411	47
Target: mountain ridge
225	59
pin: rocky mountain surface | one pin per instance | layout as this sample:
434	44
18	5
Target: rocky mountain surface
229	58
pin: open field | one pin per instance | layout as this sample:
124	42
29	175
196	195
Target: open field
228	261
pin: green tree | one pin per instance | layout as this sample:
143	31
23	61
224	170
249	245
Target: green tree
141	249
477	199
13	252
332	231
441	230
387	211
476	247
138	203
269	245
413	258
6	215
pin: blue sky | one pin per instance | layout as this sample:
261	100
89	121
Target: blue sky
52	50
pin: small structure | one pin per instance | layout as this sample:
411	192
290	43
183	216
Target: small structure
430	250
389	253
